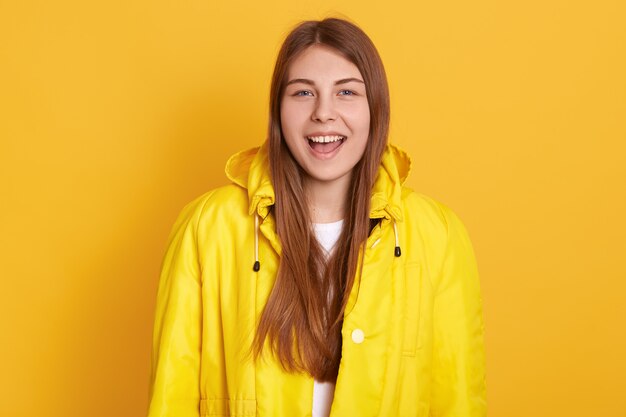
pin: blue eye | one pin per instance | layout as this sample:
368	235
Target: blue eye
349	92
302	93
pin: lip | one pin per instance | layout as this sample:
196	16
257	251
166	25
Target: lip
325	134
324	156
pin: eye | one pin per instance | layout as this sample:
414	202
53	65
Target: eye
347	93
302	93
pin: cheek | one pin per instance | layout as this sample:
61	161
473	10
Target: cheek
359	118
366	121
291	128
291	116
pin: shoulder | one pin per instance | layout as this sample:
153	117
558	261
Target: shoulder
214	205
428	212
224	198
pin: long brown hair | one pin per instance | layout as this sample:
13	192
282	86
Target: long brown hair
302	324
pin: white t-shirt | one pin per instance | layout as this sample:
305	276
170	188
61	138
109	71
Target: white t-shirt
323	392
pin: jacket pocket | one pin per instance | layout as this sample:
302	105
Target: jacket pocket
412	302
226	407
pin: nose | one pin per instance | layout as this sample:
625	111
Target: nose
324	110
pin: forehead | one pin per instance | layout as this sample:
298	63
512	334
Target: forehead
320	62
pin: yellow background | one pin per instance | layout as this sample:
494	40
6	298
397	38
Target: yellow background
113	115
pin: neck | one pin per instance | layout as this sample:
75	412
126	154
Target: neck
327	199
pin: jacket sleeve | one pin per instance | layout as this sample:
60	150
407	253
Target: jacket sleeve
177	337
458	373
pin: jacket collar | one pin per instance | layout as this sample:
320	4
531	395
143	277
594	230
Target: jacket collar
250	170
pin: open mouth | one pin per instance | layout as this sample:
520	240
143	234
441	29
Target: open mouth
325	144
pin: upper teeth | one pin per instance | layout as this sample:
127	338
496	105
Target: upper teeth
325	139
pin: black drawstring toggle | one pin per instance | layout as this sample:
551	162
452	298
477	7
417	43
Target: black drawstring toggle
257	266
397	252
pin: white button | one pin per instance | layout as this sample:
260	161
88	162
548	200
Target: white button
358	336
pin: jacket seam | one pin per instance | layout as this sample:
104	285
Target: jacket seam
444	218
197	228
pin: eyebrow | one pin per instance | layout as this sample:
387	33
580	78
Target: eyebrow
310	82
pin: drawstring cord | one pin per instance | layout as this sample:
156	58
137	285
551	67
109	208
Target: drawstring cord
397	250
257	264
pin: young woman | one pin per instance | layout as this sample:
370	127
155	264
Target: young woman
316	283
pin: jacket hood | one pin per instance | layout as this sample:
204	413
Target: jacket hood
250	170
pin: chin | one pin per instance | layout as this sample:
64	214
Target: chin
327	177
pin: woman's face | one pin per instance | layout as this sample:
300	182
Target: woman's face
325	115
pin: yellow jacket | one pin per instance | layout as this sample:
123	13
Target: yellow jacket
412	330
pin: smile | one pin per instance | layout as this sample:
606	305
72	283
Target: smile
325	147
